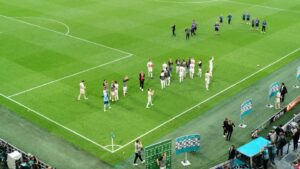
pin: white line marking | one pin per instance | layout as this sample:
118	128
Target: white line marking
210	98
183	2
262	6
65	77
74	37
56	123
47	19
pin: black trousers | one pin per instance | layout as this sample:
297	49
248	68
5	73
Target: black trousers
137	155
282	97
224	131
295	144
187	36
229	135
173	32
263	29
142	84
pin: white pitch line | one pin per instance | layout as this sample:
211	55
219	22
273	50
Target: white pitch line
191	2
65	77
56	123
68	35
210	98
47	19
262	6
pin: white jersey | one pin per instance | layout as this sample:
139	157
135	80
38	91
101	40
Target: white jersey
164	66
193	61
181	70
81	86
207	77
116	86
211	64
192	66
150	94
149	65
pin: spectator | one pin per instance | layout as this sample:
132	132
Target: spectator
280	144
278	130
162	161
254	135
272	152
138	151
232	155
229	130
297	165
265	157
296	134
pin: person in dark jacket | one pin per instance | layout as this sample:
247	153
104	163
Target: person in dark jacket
283	91
280	144
296	135
231	155
225	126
229	130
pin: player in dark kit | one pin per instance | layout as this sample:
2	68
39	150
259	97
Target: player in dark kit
217	28
187	33
252	24
229	17
193	28
247	18
257	24
244	17
173	30
264	24
221	20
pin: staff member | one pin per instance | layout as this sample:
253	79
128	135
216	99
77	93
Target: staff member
283	91
138	147
229	130
142	80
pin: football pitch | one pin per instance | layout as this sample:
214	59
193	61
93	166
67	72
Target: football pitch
48	47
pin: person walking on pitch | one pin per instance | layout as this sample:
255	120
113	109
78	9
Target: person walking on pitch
150	68
173	30
82	88
138	148
106	100
200	68
150	95
211	65
142	80
207	79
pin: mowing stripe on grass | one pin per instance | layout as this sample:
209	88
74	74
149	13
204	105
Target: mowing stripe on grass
191	2
66	77
67	35
262	6
56	123
210	98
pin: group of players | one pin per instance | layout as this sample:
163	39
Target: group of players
183	67
255	23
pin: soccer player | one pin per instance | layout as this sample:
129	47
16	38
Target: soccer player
162	79
193	28
247	18
177	65
106	100
142	80
252	24
200	68
217	28
181	73
150	68
264	24
221	19
170	66
82	88
164	66
207	79
184	66
257	24
125	80
112	91
192	68
104	84
116	91
150	95
187	33
173	30
211	66
168	77
229	17
244	17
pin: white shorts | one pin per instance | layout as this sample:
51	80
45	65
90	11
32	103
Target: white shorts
125	89
192	70
150	69
82	91
181	74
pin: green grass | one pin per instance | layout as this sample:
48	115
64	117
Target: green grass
31	56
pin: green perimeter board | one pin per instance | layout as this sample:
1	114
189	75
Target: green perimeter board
154	151
242	54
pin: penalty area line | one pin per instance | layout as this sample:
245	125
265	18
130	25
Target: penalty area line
56	123
210	98
68	76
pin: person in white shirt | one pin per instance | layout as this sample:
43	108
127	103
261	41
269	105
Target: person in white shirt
116	91
150	95
277	100
164	66
192	68
200	68
82	90
211	66
162	79
150	68
181	73
207	79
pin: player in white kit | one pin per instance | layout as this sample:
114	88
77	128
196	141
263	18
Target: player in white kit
150	68
192	68
207	79
162	79
164	66
181	73
211	66
150	94
200	68
82	90
116	91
